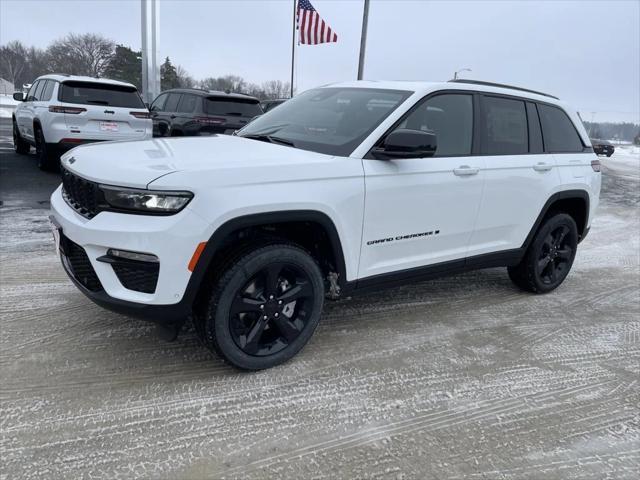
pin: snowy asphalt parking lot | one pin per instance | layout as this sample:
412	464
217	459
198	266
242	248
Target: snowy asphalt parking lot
462	377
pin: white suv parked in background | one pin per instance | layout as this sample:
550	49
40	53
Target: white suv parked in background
62	111
340	190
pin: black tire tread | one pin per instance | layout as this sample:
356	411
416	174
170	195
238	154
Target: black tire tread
234	263
523	274
21	147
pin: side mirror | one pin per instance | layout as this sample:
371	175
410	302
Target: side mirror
18	96
407	143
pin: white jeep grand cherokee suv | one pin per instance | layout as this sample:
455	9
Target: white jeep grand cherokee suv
62	111
342	189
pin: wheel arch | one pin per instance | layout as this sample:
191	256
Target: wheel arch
268	222
573	202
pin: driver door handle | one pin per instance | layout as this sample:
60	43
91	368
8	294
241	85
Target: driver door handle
465	170
542	167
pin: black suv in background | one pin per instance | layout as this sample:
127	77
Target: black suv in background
190	111
602	147
271	104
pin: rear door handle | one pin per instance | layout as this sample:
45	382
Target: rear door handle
542	167
464	170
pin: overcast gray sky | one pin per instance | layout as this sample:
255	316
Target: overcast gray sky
586	52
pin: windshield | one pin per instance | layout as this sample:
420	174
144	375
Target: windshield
239	107
328	120
89	93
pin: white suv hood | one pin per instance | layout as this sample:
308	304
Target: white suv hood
137	164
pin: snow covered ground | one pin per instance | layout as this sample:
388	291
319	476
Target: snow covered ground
625	161
7	105
462	377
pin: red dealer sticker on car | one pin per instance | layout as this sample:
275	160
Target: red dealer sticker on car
109	126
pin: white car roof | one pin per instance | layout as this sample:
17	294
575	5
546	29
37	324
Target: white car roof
79	78
424	88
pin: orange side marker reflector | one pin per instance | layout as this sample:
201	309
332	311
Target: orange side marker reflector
196	256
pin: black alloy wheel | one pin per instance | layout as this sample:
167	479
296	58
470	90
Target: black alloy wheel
550	255
264	305
556	255
271	310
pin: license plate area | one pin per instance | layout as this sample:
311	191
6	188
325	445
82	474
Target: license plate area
109	126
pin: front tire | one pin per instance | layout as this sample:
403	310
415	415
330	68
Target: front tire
550	256
264	308
19	145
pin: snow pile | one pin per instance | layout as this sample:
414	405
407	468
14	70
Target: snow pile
7	105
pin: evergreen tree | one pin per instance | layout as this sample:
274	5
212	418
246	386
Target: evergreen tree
126	66
168	76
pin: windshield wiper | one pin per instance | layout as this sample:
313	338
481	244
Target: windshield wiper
270	139
98	102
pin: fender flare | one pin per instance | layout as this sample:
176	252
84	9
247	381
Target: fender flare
257	219
563	195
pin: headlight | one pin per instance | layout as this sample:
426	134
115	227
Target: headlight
149	201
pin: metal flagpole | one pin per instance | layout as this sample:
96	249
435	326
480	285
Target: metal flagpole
363	38
293	45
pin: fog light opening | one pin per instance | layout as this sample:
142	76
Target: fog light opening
126	255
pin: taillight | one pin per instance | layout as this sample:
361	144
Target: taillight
210	120
72	110
140	114
595	164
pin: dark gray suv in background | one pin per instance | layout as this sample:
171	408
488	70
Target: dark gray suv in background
190	111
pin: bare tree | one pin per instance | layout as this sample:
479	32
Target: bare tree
231	83
87	54
274	89
184	79
13	62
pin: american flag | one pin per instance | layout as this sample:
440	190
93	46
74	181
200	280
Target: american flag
313	29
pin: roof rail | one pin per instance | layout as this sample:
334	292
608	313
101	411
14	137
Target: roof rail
501	85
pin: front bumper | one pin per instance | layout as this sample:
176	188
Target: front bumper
173	239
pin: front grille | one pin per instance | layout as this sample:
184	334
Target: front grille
138	276
79	265
82	195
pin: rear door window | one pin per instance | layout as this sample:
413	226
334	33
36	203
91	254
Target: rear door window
93	93
238	108
504	123
559	133
187	103
48	90
171	105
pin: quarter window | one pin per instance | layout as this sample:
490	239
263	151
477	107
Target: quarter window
450	117
505	127
559	133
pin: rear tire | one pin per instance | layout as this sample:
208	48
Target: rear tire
264	308
47	160
549	258
19	145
